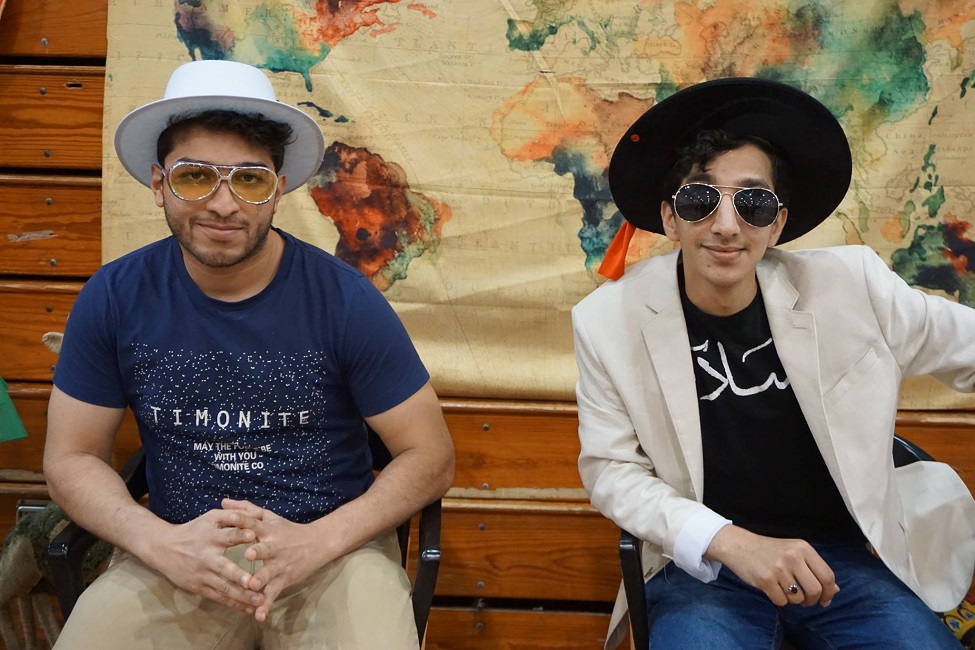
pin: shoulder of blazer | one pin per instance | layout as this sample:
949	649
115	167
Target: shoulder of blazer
851	256
651	277
816	265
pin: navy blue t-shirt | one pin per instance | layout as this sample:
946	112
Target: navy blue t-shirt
261	399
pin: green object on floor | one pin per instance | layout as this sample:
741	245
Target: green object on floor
11	428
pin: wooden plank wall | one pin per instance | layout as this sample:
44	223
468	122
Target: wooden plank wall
51	81
527	563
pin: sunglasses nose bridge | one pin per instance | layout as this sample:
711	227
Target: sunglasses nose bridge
722	218
220	178
223	178
222	199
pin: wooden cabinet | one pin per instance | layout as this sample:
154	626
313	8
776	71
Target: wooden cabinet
22	459
54	28
509	447
27	311
52	55
50	225
528	550
510	629
51	117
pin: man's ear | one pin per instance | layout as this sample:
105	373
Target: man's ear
668	218
156	184
777	227
279	192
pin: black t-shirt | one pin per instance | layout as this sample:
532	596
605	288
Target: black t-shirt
762	468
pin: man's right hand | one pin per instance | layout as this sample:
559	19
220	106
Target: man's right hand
773	565
191	556
77	465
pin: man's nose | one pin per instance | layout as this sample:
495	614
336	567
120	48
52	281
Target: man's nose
223	201
725	220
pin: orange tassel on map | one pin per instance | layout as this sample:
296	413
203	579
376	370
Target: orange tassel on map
614	261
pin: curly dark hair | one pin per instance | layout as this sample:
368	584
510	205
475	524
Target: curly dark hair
254	128
709	144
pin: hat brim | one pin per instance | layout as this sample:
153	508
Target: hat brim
138	133
805	132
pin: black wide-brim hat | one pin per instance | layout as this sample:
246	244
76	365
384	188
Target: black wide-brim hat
803	130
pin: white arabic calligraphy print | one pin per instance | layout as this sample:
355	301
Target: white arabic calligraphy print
727	378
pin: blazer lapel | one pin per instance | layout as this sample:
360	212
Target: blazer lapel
665	335
794	333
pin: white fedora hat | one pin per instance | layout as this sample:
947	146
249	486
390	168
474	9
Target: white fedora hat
218	85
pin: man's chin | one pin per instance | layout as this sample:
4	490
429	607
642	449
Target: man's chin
218	255
219	260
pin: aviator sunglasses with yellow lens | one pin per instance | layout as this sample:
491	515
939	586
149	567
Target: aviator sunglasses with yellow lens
757	206
193	181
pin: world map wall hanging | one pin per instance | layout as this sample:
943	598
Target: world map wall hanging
468	141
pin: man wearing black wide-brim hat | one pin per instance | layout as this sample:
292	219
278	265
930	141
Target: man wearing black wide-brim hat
737	402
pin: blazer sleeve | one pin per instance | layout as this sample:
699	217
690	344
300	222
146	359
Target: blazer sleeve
928	334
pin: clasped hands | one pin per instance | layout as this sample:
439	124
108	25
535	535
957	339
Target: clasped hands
192	556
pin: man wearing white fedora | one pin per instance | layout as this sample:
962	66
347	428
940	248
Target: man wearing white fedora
251	361
737	402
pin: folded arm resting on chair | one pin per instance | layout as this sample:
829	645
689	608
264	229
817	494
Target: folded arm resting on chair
81	480
696	538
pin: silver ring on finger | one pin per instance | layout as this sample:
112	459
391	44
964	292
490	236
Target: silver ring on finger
792	589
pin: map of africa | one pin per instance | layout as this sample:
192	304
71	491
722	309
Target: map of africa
468	143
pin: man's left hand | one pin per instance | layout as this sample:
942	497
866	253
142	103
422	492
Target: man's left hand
286	549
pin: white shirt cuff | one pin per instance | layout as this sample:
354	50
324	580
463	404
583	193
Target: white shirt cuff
692	542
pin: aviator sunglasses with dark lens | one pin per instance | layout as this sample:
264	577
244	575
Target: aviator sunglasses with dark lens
193	181
755	205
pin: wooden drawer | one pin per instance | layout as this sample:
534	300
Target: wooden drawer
514	446
54	28
51	117
50	225
499	629
946	436
27	311
527	550
26	454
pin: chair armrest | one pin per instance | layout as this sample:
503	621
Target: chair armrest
65	556
631	565
428	565
133	472
66	552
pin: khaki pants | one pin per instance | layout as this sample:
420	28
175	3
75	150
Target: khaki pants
361	600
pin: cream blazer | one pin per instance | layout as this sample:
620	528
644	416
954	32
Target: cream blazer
847	330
